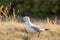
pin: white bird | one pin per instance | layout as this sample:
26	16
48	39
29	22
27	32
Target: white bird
31	27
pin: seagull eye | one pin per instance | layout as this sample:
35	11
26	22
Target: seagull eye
25	18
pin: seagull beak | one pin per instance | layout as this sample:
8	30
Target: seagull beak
23	19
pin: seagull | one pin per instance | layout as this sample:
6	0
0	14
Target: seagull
31	27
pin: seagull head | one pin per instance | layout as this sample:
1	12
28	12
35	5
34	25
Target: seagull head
26	18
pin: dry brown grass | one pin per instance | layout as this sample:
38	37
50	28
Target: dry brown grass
12	30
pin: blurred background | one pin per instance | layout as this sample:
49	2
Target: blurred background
33	8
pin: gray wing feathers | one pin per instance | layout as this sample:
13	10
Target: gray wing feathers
36	28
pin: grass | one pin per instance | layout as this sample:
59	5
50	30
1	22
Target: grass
12	30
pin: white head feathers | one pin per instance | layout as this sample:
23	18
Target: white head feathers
26	18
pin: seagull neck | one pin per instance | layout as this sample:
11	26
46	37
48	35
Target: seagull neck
29	23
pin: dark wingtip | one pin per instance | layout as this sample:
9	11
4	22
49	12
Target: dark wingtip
46	29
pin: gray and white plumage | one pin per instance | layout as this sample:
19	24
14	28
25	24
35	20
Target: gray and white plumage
31	27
